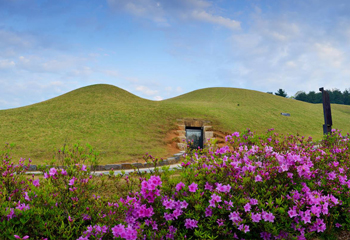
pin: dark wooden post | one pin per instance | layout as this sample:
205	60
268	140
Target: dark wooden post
327	127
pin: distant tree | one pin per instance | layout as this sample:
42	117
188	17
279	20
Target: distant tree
281	93
336	96
301	96
319	97
269	92
346	97
313	97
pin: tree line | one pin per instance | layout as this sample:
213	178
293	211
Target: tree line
335	96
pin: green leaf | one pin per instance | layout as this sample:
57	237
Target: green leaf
281	210
23	221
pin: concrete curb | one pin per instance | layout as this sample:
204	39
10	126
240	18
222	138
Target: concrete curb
127	172
172	162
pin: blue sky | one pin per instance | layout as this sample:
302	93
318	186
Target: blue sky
158	49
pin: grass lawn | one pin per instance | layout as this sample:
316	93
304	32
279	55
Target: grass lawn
123	126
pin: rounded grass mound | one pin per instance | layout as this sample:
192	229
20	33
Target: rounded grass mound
123	126
256	187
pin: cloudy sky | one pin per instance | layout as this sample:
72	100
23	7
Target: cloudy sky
157	49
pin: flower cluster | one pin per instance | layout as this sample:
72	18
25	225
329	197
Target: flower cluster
249	189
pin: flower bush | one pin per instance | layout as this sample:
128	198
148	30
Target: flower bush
256	187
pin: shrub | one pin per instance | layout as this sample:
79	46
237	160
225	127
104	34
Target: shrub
256	187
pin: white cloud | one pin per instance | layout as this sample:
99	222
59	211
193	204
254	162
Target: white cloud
330	54
82	71
169	89
60	64
179	89
245	42
158	98
5	64
164	12
207	17
291	64
57	83
15	39
149	9
145	90
281	51
111	73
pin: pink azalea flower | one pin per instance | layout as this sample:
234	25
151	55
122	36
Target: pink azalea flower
118	230
11	214
320	225
208	186
305	216
325	208
246	229
26	197
177	213
212	203
208	212
71	182
284	167
234	217
258	178
236	134
83	167
63	172
183	204
256	217
292	213
18	237
315	209
168	216
331	175
155	180
268	217
169	204
36	183
334	200
191	223
179	186
247	207
193	187
253	201
223	188
52	172
220	222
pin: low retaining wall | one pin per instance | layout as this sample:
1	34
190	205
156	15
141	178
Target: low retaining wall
125	166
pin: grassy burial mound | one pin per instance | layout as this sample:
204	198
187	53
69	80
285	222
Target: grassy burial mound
123	126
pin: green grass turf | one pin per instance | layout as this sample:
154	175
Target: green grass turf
123	126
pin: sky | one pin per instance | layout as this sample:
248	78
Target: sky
159	49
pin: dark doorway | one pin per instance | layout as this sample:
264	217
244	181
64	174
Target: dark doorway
195	136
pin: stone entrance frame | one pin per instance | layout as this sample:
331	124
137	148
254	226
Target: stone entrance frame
193	123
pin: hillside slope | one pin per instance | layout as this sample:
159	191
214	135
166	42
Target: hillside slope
236	109
124	127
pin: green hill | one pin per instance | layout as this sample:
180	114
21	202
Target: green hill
123	126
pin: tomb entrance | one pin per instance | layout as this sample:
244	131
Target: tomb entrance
197	131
